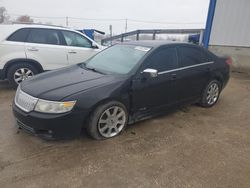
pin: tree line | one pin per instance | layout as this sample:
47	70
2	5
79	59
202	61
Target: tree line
5	18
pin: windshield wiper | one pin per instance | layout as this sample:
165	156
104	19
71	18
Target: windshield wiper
94	70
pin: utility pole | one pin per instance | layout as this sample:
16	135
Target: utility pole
111	32
67	21
126	29
126	25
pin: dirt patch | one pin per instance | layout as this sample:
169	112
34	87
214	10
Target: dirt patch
192	147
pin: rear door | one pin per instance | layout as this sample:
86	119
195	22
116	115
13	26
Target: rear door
79	48
153	93
13	47
193	72
45	46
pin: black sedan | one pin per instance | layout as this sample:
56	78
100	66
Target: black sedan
121	85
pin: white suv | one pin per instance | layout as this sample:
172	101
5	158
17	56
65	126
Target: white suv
29	49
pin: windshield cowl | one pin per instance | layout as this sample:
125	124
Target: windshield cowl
84	66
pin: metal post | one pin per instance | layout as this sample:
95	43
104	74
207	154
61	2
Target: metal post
201	37
122	39
210	17
126	25
154	35
111	32
137	35
67	21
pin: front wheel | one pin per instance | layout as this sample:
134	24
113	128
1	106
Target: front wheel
19	72
107	120
211	94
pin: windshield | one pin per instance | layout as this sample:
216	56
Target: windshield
118	59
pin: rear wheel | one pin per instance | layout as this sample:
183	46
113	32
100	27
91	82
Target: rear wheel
108	120
211	94
19	72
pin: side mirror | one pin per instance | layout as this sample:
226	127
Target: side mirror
94	46
150	73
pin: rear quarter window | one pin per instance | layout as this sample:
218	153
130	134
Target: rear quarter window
163	60
189	56
19	35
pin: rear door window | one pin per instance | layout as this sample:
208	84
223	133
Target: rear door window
44	36
163	60
75	39
189	56
19	35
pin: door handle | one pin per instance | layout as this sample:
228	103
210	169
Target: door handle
33	49
72	52
173	76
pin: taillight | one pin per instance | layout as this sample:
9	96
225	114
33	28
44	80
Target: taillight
229	61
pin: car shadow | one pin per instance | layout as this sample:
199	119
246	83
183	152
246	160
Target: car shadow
4	85
130	129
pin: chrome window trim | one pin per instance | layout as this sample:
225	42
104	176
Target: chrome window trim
187	67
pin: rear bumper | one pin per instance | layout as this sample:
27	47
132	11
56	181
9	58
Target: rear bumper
226	80
50	126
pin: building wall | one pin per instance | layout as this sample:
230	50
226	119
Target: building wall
230	32
231	24
239	55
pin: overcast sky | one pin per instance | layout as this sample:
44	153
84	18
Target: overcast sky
157	14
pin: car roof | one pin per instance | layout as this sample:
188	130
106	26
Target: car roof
155	43
16	26
7	29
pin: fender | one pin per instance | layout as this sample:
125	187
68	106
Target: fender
13	61
220	77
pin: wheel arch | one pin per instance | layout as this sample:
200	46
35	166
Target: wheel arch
12	62
219	77
215	76
104	101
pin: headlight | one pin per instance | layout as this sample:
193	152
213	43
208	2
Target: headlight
54	107
25	101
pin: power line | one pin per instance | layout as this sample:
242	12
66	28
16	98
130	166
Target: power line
74	18
159	22
97	19
111	19
46	17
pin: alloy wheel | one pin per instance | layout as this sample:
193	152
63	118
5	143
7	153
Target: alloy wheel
22	74
212	93
112	121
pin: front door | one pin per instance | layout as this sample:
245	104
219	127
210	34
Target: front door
150	94
79	48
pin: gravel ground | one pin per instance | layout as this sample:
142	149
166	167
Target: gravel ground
192	147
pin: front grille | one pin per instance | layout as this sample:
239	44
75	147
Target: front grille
24	101
25	127
46	134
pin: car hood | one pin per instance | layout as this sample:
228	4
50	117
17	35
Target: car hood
61	83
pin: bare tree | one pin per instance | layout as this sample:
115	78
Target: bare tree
3	14
24	19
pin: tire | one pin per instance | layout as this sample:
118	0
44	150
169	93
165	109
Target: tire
211	94
29	71
100	124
